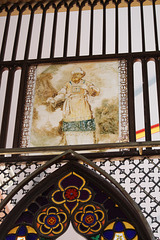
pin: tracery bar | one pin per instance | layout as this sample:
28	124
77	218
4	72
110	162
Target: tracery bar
146	101
129	26
29	33
1	71
155	25
79	29
7	106
142	25
104	29
66	31
116	27
131	106
91	31
3	48
54	31
157	65
41	33
17	34
20	107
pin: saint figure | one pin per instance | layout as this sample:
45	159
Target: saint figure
78	122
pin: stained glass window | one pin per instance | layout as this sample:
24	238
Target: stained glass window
71	196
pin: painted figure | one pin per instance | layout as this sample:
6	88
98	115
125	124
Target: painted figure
78	122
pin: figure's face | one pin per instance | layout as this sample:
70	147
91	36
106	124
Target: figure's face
76	77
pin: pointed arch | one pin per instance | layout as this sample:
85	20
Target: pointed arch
97	207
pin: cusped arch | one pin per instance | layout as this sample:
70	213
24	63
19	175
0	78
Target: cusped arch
74	194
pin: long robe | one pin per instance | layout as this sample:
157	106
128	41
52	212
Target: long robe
78	121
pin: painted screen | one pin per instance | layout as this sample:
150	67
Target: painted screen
77	103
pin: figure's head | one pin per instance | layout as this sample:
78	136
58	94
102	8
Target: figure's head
77	75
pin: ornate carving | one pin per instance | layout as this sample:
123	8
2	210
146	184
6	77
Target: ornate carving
28	107
123	103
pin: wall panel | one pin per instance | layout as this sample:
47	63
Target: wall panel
73	31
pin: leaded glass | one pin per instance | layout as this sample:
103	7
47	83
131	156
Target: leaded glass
71	196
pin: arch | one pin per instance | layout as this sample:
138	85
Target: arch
97	208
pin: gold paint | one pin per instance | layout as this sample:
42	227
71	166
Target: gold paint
136	238
13	231
128	225
59	184
31	230
110	226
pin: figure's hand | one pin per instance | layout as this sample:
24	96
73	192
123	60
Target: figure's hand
85	87
51	101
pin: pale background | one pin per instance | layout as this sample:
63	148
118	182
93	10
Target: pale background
104	75
84	50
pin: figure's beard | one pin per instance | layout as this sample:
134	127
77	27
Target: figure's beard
76	80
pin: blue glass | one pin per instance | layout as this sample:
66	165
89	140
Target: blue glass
11	237
22	231
91	215
130	233
108	234
54	223
42	238
119	227
31	236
